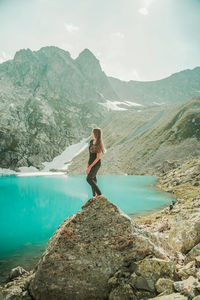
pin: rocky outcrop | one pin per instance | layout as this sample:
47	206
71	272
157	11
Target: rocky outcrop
86	250
101	253
92	255
179	224
167	166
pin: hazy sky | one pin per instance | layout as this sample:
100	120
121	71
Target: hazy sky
133	39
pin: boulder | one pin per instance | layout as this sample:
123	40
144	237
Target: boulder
148	271
197	261
142	276
174	296
188	287
164	285
18	271
195	251
185	234
87	249
122	292
187	270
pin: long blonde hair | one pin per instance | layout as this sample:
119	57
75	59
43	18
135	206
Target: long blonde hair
99	145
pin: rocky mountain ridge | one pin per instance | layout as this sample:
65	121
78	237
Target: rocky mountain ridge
46	103
175	89
49	101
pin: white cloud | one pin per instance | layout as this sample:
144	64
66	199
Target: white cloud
134	75
119	35
71	27
145	9
4	56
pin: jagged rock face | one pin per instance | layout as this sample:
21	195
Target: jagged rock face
46	104
91	69
86	249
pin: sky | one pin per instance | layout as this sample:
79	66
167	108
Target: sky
141	40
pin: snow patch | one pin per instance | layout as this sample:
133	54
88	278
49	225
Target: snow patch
60	162
63	160
112	105
158	103
129	103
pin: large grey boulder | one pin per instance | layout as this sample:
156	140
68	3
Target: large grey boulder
86	249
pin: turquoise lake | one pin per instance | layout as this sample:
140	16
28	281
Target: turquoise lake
32	207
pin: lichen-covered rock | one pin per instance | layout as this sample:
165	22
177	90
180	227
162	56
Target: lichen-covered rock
122	292
155	268
195	251
187	270
142	276
18	271
197	261
147	272
174	296
87	248
164	285
15	293
16	289
189	287
185	234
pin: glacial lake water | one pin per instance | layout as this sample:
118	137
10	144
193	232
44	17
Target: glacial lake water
32	207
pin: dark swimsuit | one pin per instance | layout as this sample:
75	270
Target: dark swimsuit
91	177
93	156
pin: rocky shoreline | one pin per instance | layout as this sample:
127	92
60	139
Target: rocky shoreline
154	256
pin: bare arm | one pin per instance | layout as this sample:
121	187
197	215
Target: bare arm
96	160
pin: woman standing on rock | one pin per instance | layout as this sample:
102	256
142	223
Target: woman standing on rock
96	146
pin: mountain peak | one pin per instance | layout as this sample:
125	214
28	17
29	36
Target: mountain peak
86	53
51	50
23	53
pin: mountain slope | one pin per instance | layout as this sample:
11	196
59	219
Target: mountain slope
175	89
46	103
91	70
141	142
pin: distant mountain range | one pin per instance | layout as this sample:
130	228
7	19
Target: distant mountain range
174	89
49	100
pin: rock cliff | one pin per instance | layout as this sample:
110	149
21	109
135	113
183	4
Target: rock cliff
46	104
